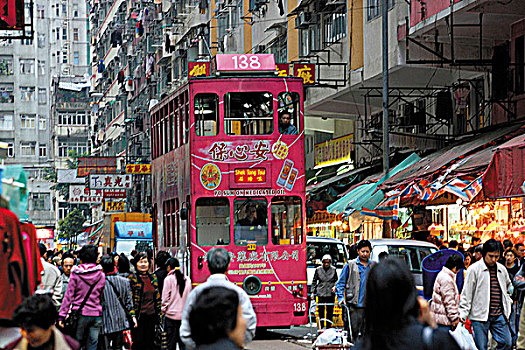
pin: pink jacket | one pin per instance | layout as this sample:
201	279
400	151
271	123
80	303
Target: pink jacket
172	302
445	298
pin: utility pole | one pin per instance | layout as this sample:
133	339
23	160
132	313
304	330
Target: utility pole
386	146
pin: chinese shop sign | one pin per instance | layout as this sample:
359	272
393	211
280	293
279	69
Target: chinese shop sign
334	151
306	71
198	69
109	181
250	176
138	168
96	165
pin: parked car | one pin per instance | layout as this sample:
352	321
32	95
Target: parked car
316	248
411	251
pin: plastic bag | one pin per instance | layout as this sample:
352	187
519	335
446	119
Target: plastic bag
331	336
463	338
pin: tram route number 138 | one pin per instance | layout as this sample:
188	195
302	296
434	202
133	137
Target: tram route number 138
246	62
299	307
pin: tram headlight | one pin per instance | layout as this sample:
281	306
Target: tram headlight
252	285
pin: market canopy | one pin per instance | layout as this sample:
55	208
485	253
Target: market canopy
441	160
367	195
134	230
506	173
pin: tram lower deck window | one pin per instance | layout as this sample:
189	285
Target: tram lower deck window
251	221
287	227
212	217
248	113
206	114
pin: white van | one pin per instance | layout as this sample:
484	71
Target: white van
316	247
410	251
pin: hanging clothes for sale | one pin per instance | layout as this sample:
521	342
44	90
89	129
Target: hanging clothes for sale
140	29
120	77
35	267
14	271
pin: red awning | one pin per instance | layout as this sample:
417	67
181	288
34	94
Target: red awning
506	172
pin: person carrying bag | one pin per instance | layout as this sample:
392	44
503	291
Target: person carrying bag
118	314
71	321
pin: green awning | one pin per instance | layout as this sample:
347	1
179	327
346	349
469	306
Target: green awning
367	195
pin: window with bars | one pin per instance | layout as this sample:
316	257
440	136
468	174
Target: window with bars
6	122
27	93
27	121
72	118
79	147
41	201
6	65
42	123
27	66
10	149
42	151
27	149
334	27
7	94
41	68
374	8
75	34
42	96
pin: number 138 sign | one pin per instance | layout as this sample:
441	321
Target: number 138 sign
245	62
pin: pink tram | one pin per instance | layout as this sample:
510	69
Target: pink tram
228	171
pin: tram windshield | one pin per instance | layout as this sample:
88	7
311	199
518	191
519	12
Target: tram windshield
251	221
248	113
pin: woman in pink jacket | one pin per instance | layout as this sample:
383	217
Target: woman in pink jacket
445	298
174	295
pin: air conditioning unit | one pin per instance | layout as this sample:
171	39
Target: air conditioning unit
304	20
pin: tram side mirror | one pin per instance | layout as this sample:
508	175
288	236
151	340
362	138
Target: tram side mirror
184	214
310	212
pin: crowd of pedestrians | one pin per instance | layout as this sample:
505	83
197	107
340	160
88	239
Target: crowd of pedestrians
93	302
108	302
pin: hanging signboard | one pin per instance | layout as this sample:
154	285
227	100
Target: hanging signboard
44	233
138	168
81	194
12	15
283	69
109	193
198	69
334	151
109	181
244	62
96	165
306	71
114	206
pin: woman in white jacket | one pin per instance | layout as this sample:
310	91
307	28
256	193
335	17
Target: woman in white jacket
174	295
445	298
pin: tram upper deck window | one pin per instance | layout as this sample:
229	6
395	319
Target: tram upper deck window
206	114
288	112
212	221
287	220
251	221
248	113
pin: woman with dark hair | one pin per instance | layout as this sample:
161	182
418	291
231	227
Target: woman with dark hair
146	302
445	297
395	316
174	295
123	266
216	320
161	261
469	259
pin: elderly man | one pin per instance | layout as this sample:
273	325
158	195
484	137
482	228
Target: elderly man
323	286
218	263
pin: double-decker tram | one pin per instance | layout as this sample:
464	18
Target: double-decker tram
228	171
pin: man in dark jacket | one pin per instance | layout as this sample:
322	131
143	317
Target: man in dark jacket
323	286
